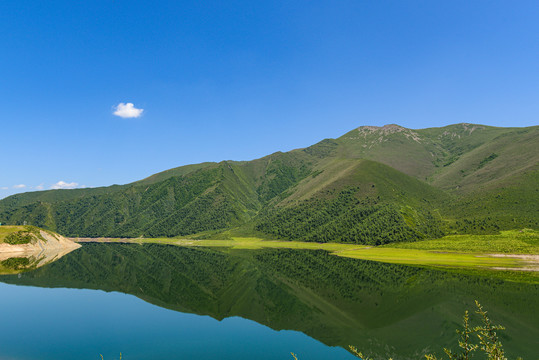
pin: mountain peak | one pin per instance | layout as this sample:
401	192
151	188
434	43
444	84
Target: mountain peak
471	127
388	129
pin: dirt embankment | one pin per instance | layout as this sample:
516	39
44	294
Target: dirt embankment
47	242
28	248
531	262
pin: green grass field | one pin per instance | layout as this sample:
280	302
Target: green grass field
465	251
524	241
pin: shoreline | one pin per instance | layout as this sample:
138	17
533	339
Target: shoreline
435	258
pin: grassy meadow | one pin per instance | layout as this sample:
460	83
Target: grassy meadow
474	252
525	241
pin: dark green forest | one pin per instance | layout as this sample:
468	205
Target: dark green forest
347	219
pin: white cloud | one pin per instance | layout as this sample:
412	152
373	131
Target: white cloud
19	186
4	188
39	187
127	110
64	185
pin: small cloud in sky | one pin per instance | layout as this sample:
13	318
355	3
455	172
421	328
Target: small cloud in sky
127	110
19	186
64	185
39	187
4	188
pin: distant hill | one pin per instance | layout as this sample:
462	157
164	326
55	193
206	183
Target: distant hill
372	185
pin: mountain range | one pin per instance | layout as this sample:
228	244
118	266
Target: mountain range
373	185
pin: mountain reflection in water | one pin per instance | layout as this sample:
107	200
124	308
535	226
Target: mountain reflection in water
383	309
16	262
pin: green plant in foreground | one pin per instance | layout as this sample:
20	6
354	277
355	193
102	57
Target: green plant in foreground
487	340
103	358
358	353
487	337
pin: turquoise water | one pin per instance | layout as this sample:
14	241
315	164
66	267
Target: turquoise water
40	323
166	302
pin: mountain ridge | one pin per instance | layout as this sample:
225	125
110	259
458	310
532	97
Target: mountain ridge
422	183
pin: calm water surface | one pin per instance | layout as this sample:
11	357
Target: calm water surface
80	324
164	302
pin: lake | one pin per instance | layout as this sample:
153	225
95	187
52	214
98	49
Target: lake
166	302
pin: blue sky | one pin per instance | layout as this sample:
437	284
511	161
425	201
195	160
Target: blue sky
241	79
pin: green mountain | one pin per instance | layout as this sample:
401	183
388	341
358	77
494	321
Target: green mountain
372	185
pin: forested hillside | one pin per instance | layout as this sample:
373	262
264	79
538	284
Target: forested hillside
373	185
